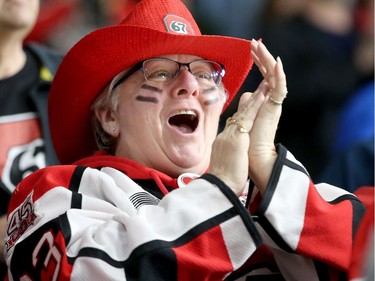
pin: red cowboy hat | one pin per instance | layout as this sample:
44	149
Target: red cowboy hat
153	28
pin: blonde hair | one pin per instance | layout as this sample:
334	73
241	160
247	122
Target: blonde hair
107	99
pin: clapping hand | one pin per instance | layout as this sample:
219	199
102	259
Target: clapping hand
246	146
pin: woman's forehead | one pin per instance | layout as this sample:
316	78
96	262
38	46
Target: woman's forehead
180	57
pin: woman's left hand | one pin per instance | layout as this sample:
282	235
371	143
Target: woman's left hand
246	146
271	91
262	152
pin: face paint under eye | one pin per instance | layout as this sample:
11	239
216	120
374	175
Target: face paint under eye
151	88
210	96
211	101
209	91
147	99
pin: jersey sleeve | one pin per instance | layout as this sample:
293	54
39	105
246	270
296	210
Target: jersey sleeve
78	223
309	228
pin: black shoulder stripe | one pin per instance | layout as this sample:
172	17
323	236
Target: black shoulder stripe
145	268
74	184
281	161
295	166
274	179
159	245
240	209
344	197
359	211
76	178
282	151
153	246
65	227
275	236
96	254
76	202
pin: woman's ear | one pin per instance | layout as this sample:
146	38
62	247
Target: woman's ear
108	121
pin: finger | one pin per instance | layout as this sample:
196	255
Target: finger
279	92
270	112
257	61
262	89
249	106
281	85
265	62
265	57
244	100
242	121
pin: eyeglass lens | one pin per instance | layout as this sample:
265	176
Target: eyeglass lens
163	70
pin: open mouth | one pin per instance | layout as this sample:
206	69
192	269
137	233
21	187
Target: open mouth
186	121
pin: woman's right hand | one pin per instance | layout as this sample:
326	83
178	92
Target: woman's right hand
229	157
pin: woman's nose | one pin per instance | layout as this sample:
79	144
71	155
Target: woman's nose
185	84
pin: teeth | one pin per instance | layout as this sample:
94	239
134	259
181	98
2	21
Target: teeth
186	112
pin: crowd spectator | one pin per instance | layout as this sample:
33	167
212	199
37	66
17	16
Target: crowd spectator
26	72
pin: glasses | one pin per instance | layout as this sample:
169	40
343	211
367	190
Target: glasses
163	70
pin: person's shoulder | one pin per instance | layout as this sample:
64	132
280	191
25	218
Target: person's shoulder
41	182
49	176
46	55
39	48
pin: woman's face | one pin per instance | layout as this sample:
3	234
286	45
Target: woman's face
168	127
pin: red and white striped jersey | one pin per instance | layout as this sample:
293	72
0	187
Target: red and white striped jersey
108	218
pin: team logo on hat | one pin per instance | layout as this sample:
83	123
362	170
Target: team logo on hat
177	25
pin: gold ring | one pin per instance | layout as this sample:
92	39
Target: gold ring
231	121
276	102
242	128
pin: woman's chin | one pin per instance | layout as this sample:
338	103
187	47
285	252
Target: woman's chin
192	165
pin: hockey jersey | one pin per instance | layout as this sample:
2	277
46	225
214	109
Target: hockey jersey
109	218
